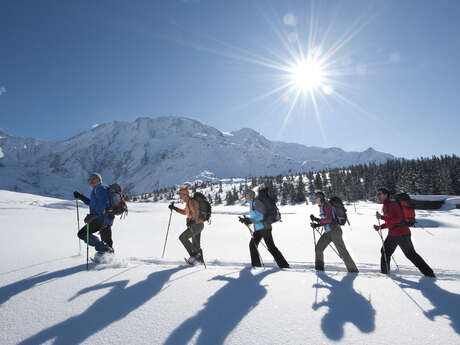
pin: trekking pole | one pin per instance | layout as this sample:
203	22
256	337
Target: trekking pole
387	263
87	246
252	236
330	245
78	229
167	232
394	260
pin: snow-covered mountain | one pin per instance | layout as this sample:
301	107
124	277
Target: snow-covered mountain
154	152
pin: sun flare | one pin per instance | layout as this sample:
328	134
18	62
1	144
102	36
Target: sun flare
308	75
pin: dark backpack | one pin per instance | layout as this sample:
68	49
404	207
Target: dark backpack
204	207
272	213
407	206
339	209
118	205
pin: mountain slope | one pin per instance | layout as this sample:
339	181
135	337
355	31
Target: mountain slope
154	152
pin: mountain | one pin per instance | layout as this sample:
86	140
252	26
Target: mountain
154	152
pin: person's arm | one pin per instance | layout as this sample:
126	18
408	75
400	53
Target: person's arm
259	209
180	210
384	216
328	213
85	199
102	199
394	216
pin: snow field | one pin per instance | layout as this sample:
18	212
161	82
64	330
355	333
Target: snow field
47	296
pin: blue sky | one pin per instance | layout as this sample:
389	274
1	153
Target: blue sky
392	83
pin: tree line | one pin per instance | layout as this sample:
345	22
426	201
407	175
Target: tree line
433	176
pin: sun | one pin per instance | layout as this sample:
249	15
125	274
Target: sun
307	75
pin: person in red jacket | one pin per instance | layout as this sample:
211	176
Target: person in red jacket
398	235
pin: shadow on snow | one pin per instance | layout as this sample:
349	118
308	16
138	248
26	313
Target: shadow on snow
114	306
344	305
234	300
444	303
10	290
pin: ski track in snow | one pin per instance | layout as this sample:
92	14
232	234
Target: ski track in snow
48	297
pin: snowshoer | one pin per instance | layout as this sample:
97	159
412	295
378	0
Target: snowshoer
195	226
398	235
97	219
261	231
332	233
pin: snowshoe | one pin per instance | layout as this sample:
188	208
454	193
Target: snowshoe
103	257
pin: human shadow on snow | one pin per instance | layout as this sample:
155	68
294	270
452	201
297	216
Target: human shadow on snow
10	290
224	310
444	303
113	306
344	305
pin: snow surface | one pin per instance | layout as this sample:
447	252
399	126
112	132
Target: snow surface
47	296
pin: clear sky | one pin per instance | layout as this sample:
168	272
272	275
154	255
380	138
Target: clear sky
380	74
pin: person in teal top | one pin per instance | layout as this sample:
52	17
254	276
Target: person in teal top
261	231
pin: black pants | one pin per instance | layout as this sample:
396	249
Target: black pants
265	234
405	243
104	230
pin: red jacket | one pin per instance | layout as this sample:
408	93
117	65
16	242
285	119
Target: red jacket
392	215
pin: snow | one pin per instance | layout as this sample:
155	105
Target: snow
47	296
151	153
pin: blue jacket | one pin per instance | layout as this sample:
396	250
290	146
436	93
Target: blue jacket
256	213
99	200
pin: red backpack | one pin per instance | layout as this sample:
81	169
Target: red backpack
407	209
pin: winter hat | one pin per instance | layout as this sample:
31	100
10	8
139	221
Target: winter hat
96	174
319	194
250	193
184	190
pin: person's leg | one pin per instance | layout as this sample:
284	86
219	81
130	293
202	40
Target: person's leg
196	236
390	245
255	258
106	235
185	239
196	241
94	241
337	239
274	251
323	242
405	242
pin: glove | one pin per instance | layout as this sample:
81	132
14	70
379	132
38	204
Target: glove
378	215
313	218
109	212
172	207
315	225
377	227
90	217
77	195
245	220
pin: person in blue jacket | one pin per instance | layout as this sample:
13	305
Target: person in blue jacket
97	218
262	231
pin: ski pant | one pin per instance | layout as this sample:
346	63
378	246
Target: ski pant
193	232
334	236
265	234
405	243
105	231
